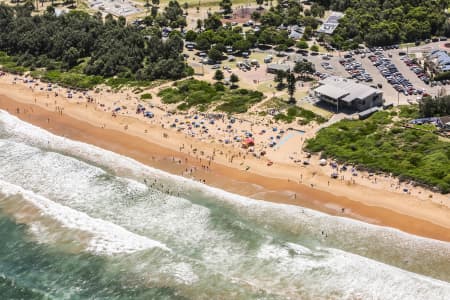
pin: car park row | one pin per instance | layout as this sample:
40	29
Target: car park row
416	68
389	71
355	69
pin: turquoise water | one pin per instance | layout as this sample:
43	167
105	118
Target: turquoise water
79	222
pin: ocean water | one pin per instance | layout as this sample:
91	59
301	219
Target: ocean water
79	222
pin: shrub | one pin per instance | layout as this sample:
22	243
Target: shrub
378	145
195	93
146	96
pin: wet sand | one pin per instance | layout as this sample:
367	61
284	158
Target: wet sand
221	176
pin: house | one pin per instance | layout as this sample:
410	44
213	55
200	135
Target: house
439	61
296	32
274	68
295	35
346	93
330	25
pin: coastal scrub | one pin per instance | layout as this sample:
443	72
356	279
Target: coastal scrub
201	94
383	143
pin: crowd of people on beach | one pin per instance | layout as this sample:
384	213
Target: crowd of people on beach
224	134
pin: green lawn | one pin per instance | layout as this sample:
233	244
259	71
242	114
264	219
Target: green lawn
382	143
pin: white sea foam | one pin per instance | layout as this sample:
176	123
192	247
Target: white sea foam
346	276
313	271
182	272
299	219
107	238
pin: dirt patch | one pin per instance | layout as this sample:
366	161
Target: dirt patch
241	14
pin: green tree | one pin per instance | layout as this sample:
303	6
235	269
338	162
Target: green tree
173	13
109	46
234	79
308	32
218	75
71	57
199	24
148	20
282	47
154	11
50	11
317	10
212	22
259	2
122	21
434	106
304	67
279	78
291	81
225	5
302	44
214	54
191	36
242	45
202	43
256	15
314	48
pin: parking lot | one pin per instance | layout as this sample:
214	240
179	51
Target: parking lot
401	80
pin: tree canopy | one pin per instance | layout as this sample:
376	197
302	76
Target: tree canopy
387	22
107	48
434	107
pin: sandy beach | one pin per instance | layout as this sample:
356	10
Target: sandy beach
372	198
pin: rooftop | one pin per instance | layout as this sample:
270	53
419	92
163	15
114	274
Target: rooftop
330	25
279	67
331	91
344	89
440	56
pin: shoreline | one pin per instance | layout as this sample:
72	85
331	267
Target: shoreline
218	175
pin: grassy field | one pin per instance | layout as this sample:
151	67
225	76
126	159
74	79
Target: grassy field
382	143
203	95
315	109
69	79
301	115
274	103
7	64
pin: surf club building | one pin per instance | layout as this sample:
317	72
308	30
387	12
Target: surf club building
348	94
